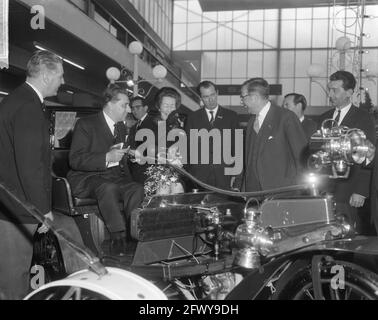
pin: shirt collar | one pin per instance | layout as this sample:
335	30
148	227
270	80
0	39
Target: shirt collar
142	119
215	110
40	96
343	112
301	119
109	121
263	112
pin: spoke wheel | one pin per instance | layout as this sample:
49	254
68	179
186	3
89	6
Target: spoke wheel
356	283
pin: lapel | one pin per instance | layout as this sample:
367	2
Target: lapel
266	129
218	117
204	119
349	117
251	138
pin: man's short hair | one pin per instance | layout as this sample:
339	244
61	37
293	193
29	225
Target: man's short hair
42	58
257	85
206	84
133	99
298	98
167	92
112	91
348	79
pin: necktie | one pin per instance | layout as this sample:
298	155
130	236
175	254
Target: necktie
119	132
256	124
211	117
138	124
338	117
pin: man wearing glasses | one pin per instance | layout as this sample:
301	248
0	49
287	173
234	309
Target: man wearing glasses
144	121
274	142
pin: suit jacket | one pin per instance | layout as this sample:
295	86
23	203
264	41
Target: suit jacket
273	157
136	169
147	123
359	176
25	154
309	126
211	173
91	141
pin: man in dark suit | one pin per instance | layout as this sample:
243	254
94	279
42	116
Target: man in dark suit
145	121
96	158
211	117
275	142
297	103
350	193
25	168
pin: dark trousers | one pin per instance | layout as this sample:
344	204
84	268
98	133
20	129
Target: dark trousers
109	191
16	251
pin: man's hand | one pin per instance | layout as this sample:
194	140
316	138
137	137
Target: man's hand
115	155
356	200
43	228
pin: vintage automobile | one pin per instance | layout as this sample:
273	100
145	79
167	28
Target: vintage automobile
287	243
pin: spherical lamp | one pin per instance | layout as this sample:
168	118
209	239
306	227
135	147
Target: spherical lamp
343	44
159	72
315	70
135	47
113	74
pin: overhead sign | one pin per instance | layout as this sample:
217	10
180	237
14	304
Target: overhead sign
234	89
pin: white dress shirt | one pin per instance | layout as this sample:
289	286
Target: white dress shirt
214	111
262	114
343	112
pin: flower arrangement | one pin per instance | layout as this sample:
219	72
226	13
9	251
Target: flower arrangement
159	180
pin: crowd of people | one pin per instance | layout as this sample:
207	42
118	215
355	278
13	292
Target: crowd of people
103	153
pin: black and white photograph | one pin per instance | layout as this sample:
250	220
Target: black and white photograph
189	155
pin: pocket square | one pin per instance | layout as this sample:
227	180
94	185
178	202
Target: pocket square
270	137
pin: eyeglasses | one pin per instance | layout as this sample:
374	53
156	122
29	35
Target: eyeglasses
243	97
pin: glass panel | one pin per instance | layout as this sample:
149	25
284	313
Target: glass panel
255	64
287	85
288	14
318	95
372	10
302	86
288	34
241	15
179	37
180	11
194	11
256	15
224	65
303	36
209	36
224	37
287	64
194	36
271	14
371	27
224	16
304	13
255	32
321	13
320	33
210	16
224	100
270	34
270	64
208	65
302	62
239	61
239	37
